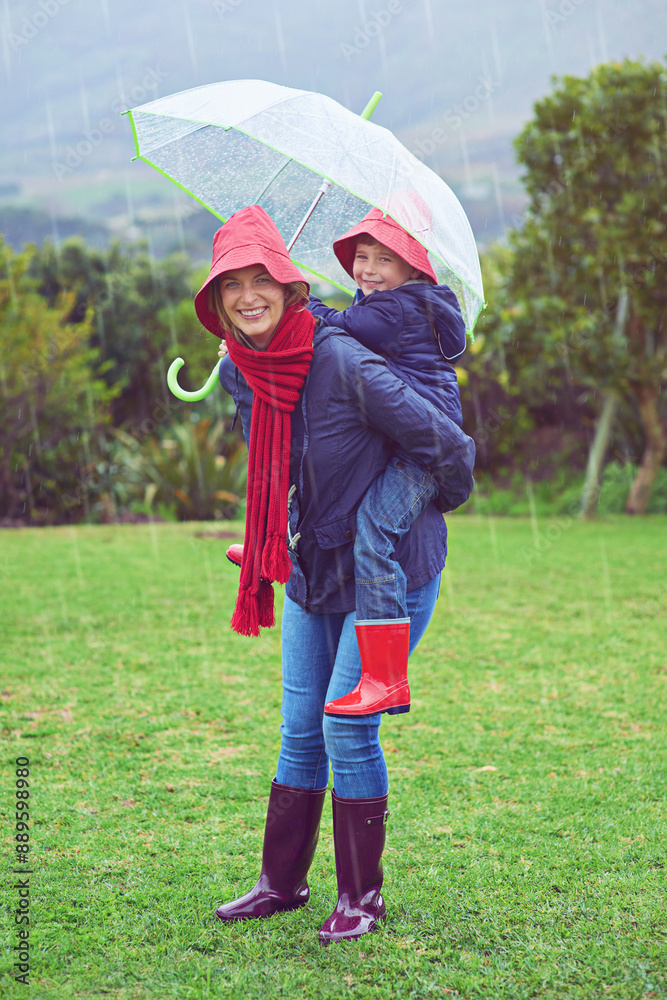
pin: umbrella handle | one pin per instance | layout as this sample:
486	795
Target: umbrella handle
172	382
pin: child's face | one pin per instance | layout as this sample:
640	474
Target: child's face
377	268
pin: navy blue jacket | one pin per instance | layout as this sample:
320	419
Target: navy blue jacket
349	406
418	328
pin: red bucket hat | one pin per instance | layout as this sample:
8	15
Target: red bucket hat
390	234
249	236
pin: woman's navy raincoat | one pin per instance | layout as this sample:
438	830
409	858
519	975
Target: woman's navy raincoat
350	411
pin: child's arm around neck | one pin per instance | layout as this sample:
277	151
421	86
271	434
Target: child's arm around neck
376	320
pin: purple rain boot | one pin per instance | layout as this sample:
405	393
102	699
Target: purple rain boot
359	835
290	838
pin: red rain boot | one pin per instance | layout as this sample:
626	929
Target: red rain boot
235	554
384	647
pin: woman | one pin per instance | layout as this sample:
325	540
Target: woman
319	412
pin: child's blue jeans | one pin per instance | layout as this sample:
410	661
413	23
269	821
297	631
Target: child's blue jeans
390	506
321	662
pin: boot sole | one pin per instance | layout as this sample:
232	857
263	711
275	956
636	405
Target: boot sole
325	941
398	710
261	916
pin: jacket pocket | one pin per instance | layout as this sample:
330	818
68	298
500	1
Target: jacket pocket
331	534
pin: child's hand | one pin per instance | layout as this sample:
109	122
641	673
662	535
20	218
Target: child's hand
223	349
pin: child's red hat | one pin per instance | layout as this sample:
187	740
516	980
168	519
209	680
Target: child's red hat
388	232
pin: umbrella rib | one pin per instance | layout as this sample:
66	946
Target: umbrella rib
277	174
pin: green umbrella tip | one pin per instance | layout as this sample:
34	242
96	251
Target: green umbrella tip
372	105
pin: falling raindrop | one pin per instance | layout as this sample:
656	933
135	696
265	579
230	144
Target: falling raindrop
6	30
212	591
63	602
602	39
279	37
533	512
178	220
488	100
107	19
191	42
546	27
429	22
383	57
55	233
77	556
498	66
498	195
83	95
129	201
121	88
606	582
155	544
466	160
494	540
51	130
447	576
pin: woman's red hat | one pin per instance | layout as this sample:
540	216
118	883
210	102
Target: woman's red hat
249	236
388	232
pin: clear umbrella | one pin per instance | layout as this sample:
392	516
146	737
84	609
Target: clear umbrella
249	142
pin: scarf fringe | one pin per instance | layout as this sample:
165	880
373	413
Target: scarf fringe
253	611
267	617
276	563
245	619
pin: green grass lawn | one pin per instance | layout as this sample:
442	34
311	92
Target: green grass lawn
526	844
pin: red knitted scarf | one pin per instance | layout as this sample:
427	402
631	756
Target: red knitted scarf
276	376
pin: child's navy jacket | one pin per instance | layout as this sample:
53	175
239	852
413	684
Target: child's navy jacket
350	412
418	328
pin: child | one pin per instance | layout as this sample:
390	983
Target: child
402	313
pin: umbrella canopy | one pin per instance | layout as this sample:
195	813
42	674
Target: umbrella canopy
249	142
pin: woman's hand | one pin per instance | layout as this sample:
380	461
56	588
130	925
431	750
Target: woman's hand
223	349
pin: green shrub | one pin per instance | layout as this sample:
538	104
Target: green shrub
562	496
181	471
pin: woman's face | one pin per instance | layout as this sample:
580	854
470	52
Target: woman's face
254	302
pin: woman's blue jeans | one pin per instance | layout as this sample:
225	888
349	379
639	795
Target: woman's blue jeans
321	662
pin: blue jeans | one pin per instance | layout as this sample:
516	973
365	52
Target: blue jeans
391	504
321	662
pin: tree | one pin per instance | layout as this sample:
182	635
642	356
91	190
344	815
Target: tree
141	317
594	245
53	398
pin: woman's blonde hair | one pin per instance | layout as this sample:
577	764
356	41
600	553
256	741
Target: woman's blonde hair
295	291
